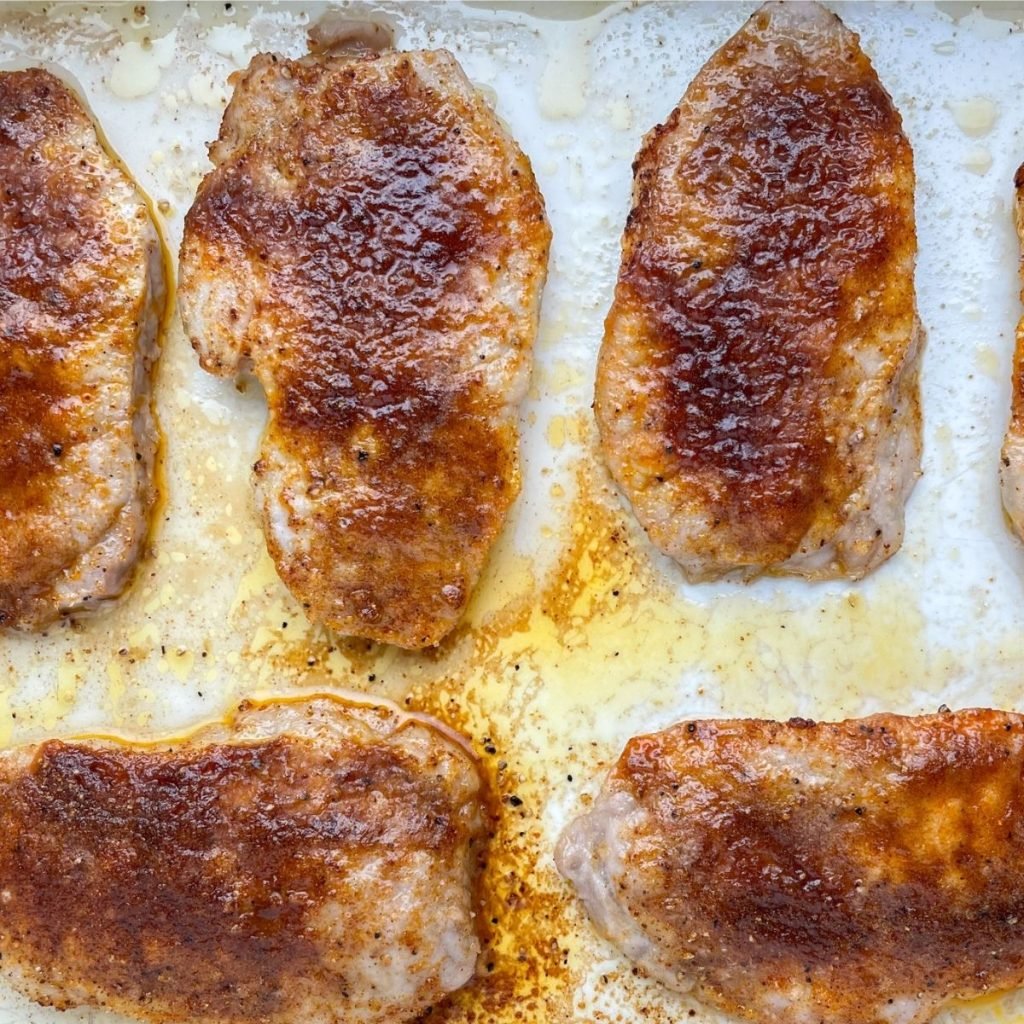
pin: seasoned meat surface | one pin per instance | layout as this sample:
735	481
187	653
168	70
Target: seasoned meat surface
81	296
307	861
865	872
757	388
373	242
1011	470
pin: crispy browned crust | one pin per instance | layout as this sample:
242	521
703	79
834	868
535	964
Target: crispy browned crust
867	861
1011	469
59	221
772	232
391	375
75	298
190	881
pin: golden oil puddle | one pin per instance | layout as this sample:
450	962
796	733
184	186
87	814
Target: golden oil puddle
999	1008
606	633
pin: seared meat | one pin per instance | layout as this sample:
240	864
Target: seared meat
373	242
1011	470
757	390
308	861
792	873
81	296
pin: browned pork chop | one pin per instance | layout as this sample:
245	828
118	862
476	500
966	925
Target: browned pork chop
757	389
373	242
866	872
307	861
1011	470
81	297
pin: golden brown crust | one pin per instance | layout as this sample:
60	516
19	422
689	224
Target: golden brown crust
209	881
56	221
76	303
81	819
396	212
844	868
767	274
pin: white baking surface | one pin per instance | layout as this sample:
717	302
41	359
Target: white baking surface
580	634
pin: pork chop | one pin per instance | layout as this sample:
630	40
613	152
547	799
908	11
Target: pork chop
866	872
372	241
757	387
309	860
1011	470
81	298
